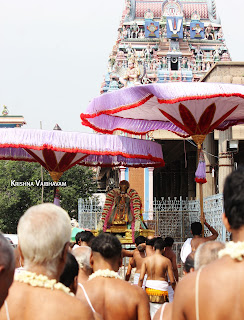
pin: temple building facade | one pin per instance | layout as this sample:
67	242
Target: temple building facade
8	121
166	41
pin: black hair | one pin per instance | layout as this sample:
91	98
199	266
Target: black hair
86	236
159	244
70	271
107	245
139	240
189	263
169	241
150	242
77	237
196	228
234	198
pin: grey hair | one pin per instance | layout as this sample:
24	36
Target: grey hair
82	255
206	253
43	232
7	258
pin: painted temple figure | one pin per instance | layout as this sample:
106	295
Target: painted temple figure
122	211
131	76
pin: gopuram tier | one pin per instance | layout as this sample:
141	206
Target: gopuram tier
165	41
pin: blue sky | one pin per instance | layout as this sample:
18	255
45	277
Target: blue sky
54	54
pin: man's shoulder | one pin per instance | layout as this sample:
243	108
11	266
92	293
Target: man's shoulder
185	287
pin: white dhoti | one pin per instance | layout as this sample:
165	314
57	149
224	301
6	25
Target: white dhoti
185	250
136	280
171	293
157	292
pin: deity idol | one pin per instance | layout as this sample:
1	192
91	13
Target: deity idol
122	210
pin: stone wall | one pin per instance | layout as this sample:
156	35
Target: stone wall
226	72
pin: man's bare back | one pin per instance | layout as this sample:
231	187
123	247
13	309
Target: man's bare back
27	303
169	253
117	299
219	299
198	239
156	267
137	260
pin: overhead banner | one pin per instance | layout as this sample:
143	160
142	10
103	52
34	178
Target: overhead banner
197	30
175	27
151	29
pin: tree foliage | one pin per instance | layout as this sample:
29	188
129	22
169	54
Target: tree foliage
16	199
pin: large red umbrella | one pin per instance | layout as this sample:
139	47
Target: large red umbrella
187	109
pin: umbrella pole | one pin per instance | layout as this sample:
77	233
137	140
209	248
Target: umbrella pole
54	192
199	147
201	207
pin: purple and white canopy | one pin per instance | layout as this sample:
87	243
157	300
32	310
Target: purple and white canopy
57	151
188	109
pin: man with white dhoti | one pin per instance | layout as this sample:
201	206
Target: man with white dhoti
158	269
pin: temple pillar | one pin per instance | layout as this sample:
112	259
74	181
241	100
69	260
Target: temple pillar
122	173
150	170
225	158
169	63
179	63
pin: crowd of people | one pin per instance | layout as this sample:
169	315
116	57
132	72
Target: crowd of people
49	279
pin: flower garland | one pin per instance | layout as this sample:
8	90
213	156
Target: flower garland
41	281
233	249
104	273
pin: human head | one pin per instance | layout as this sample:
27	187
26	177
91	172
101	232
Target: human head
69	275
234	199
107	247
82	256
131	63
7	266
150	241
189	263
44	234
77	238
139	240
196	228
124	186
86	237
169	241
159	244
206	253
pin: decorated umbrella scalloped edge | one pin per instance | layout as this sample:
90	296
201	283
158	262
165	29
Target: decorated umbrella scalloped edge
94	149
101	112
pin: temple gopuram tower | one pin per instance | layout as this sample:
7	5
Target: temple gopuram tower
166	41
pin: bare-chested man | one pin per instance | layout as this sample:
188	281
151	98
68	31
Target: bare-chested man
83	255
169	253
7	266
110	296
44	235
191	244
158	269
206	253
139	255
83	239
150	245
216	291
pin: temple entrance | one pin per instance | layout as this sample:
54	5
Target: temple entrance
177	178
174	63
